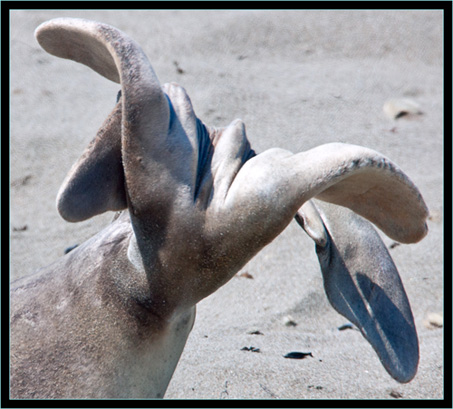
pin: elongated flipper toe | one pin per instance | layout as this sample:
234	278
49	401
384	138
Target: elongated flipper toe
362	283
95	183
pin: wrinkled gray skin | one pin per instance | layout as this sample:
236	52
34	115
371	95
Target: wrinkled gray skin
110	319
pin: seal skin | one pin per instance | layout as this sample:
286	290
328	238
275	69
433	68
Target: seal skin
111	318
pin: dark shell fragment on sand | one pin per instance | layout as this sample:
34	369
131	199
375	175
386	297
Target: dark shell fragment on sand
298	355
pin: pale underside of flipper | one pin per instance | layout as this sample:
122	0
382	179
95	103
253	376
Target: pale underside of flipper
159	149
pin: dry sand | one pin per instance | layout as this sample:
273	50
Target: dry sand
298	79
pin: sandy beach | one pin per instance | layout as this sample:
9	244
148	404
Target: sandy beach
297	79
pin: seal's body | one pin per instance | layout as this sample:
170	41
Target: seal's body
111	318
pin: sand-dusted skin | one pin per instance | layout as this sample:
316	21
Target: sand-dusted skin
111	318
